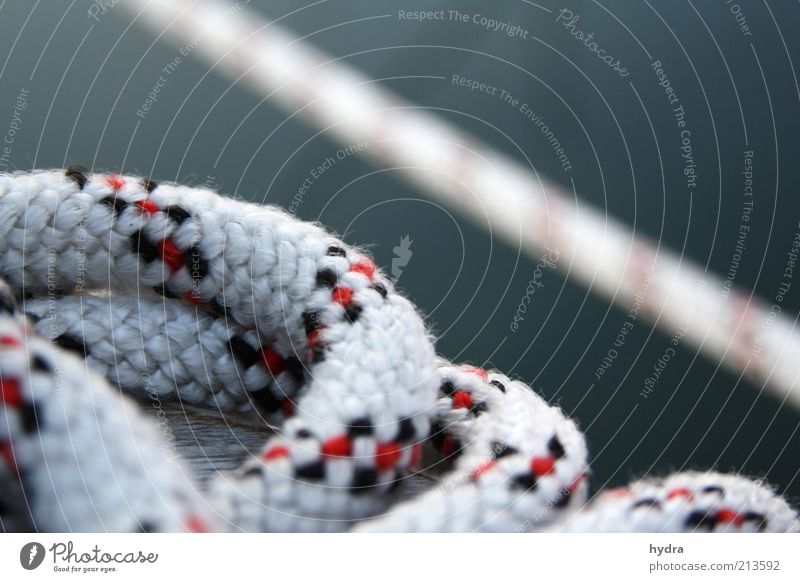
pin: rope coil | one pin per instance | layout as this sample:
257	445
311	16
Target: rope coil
176	291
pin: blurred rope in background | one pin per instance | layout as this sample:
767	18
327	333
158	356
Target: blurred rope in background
518	205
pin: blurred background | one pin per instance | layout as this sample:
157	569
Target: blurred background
74	78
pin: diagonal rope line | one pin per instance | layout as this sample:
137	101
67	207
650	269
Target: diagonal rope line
526	210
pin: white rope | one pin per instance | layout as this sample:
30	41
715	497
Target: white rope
497	430
475	495
682	299
164	349
261	289
74	456
691	501
320	307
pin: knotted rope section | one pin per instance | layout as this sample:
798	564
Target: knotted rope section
179	292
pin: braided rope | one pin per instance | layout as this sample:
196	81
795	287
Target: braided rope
168	350
497	430
690	501
75	455
260	313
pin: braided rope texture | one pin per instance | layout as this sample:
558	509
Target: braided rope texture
169	291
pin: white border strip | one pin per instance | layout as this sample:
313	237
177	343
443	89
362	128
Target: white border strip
402	557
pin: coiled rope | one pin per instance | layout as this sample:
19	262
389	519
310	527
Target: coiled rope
176	291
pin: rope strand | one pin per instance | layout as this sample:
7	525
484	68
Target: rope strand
178	292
